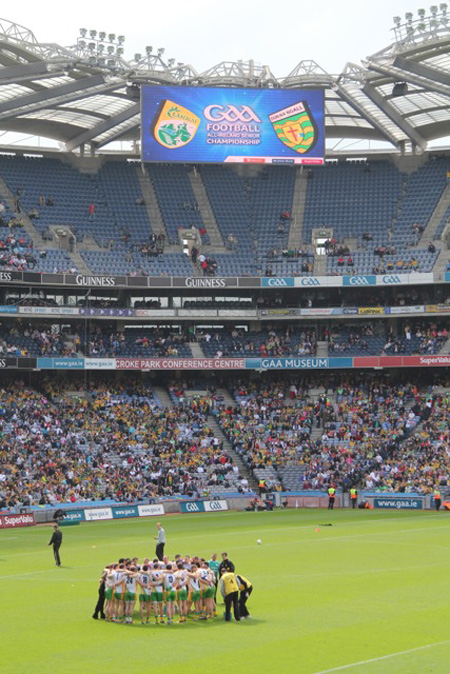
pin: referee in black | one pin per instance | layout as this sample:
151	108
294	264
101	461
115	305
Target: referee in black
56	541
161	538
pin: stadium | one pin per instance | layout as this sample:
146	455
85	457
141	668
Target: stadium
224	307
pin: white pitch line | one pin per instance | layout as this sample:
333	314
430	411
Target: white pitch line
383	657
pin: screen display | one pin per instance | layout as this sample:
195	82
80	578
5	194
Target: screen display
199	124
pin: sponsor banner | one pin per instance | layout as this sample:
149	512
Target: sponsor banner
11	362
192	507
437	308
214	506
180	363
406	310
107	312
350	310
398	503
336	363
447	276
68	363
279	313
359	281
294	363
119	512
207	282
98	514
427	361
205	124
237	313
404	279
74	516
160	313
320	312
151	510
371	311
366	361
315	281
10	276
201	313
50	311
99	363
274	282
8	309
16	521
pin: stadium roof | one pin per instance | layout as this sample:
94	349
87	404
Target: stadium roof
87	93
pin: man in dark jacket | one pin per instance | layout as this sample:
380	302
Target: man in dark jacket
56	541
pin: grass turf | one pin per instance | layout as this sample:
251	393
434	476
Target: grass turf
374	584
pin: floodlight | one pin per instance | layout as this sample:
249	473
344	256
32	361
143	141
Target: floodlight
101	62
82	44
397	20
137	57
443	7
91	46
102	35
83	32
148	49
121	39
119	51
409	30
421	12
433	23
433	10
161	51
93	34
171	62
110	62
100	48
421	26
409	16
110	49
92	60
111	37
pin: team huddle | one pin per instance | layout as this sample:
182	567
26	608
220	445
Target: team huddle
187	585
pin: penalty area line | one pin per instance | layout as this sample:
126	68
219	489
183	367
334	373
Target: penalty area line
383	657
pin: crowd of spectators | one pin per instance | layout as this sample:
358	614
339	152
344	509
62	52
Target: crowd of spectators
115	443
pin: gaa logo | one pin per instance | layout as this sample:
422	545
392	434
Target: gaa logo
217	113
358	281
192	507
310	281
277	283
391	280
215	505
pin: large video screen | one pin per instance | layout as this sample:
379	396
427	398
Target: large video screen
199	124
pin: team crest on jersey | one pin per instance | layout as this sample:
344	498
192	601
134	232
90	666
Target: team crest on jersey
295	127
174	126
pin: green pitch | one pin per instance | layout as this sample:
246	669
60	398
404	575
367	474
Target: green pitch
368	595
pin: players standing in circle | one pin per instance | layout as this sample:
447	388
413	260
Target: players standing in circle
157	583
182	592
170	580
130	593
144	594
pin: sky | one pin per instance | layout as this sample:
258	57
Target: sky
205	33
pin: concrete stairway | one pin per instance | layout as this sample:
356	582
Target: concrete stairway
227	398
445	350
207	212
440	266
79	262
298	209
153	212
243	470
320	265
197	350
7	196
322	350
436	217
163	396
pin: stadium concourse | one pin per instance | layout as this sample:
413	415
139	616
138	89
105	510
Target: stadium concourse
64	442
